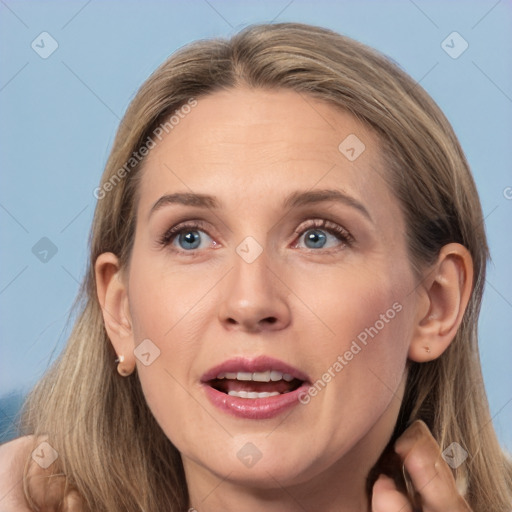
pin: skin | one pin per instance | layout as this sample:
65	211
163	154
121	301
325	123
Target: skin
249	149
300	304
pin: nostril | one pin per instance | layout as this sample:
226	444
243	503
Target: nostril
269	320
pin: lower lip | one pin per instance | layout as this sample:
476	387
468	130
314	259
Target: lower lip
254	408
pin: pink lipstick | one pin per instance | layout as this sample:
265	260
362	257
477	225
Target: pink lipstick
254	388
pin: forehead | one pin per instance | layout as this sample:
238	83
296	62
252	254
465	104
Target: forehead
244	144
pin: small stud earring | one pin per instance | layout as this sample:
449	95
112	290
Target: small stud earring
427	350
122	371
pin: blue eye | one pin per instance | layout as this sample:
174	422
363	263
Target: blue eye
316	237
320	234
189	239
324	234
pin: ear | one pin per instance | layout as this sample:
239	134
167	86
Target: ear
113	298
444	296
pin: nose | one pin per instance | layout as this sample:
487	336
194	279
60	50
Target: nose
254	298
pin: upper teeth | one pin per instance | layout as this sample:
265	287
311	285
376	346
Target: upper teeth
270	375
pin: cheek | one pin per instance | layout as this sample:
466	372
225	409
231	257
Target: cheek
355	304
162	307
162	298
361	353
166	309
360	365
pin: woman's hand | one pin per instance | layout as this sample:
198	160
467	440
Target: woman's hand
431	477
47	489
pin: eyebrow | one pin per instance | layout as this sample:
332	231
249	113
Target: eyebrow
187	199
294	200
299	198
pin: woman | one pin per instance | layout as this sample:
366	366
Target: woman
287	263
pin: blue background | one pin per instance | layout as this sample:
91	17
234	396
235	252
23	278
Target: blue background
59	116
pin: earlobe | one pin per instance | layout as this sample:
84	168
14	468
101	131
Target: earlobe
113	298
444	298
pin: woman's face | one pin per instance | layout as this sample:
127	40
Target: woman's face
287	260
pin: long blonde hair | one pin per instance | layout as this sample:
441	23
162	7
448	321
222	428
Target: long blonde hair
111	449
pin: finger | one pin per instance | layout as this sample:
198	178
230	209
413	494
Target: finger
72	502
46	485
431	476
387	498
46	491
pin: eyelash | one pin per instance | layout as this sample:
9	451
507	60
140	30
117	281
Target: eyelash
171	233
334	229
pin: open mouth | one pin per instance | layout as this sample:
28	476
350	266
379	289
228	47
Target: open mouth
254	388
255	384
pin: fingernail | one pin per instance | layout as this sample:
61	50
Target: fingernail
414	432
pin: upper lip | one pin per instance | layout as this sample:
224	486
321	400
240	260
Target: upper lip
256	364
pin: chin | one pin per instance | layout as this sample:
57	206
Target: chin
266	467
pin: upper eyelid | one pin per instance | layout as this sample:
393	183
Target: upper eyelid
321	223
311	223
186	224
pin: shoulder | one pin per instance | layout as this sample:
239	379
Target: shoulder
13	456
